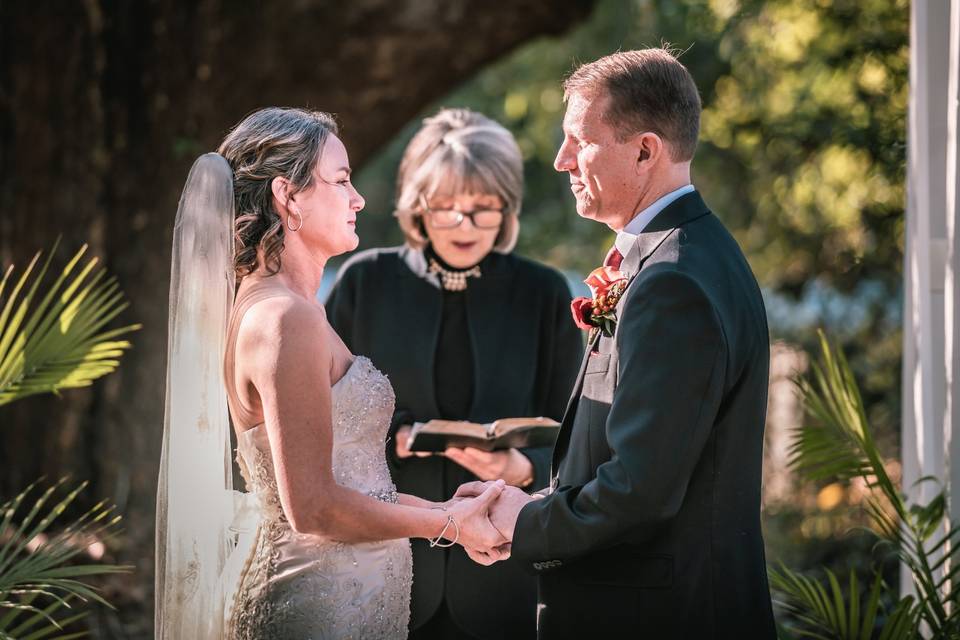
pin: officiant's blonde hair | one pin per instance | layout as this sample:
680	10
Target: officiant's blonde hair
459	151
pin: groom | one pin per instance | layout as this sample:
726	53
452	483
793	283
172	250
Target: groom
651	524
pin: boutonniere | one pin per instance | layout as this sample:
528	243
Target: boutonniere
599	313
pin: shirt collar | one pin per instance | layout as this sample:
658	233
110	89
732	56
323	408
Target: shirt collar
628	237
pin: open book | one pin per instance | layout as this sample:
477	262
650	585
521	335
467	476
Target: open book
505	433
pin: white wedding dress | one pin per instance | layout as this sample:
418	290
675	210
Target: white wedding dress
306	587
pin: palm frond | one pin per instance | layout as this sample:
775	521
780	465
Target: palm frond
810	603
37	563
59	341
902	624
833	616
27	622
839	443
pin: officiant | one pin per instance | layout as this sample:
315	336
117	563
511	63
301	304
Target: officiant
465	330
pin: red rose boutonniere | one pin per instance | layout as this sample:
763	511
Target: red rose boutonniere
607	285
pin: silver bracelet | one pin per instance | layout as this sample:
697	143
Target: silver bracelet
436	542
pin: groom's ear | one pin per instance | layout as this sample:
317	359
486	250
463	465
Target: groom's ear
648	147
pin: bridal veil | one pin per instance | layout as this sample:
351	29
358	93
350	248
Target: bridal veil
196	504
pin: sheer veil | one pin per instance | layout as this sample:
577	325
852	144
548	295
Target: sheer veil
195	500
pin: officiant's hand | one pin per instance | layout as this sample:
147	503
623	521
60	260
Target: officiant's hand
403	444
510	465
476	530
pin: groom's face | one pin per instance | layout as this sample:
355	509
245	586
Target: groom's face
603	171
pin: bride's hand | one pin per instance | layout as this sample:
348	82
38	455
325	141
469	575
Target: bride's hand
476	531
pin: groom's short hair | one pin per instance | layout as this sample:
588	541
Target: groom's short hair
649	90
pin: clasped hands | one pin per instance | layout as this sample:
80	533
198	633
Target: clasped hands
487	514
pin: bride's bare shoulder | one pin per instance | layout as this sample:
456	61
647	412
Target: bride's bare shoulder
282	321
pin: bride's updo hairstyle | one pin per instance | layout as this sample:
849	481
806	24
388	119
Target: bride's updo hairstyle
270	143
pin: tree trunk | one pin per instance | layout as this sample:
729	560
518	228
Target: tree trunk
103	107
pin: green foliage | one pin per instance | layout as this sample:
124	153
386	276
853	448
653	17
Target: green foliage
48	342
61	341
839	445
806	131
37	565
802	141
19	623
826	614
802	155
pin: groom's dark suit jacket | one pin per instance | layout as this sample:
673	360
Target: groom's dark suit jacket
653	525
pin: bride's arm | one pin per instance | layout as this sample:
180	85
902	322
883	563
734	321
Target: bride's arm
282	352
414	501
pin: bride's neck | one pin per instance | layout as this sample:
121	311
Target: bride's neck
299	271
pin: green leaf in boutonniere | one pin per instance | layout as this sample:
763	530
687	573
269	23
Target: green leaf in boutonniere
608	324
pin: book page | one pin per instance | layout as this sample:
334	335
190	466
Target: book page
459	427
505	425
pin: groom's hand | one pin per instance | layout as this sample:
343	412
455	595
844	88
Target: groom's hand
476	530
488	558
504	512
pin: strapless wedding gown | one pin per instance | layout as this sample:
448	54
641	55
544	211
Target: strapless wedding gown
306	587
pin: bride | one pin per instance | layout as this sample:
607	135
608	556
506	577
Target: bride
319	546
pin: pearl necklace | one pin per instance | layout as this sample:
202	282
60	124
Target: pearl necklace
454	280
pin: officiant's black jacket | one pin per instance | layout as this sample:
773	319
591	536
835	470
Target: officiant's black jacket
653	527
525	349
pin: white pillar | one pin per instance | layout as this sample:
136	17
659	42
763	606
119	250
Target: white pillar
931	390
952	275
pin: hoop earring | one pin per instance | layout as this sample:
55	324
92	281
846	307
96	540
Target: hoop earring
299	218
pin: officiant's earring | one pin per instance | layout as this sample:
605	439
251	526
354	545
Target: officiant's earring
299	220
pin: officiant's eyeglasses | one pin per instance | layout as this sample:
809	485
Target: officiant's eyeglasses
486	218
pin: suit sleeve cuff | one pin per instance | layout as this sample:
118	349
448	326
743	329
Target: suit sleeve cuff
527	547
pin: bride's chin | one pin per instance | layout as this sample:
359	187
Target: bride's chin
349	244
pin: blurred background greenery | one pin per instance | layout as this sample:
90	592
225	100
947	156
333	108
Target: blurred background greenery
802	155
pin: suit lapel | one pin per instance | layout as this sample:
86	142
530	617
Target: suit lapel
684	209
563	438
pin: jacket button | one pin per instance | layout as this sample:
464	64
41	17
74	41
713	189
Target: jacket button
538	566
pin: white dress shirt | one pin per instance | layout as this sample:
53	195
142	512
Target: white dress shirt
628	237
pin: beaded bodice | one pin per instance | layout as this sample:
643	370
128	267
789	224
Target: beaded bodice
306	586
362	406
